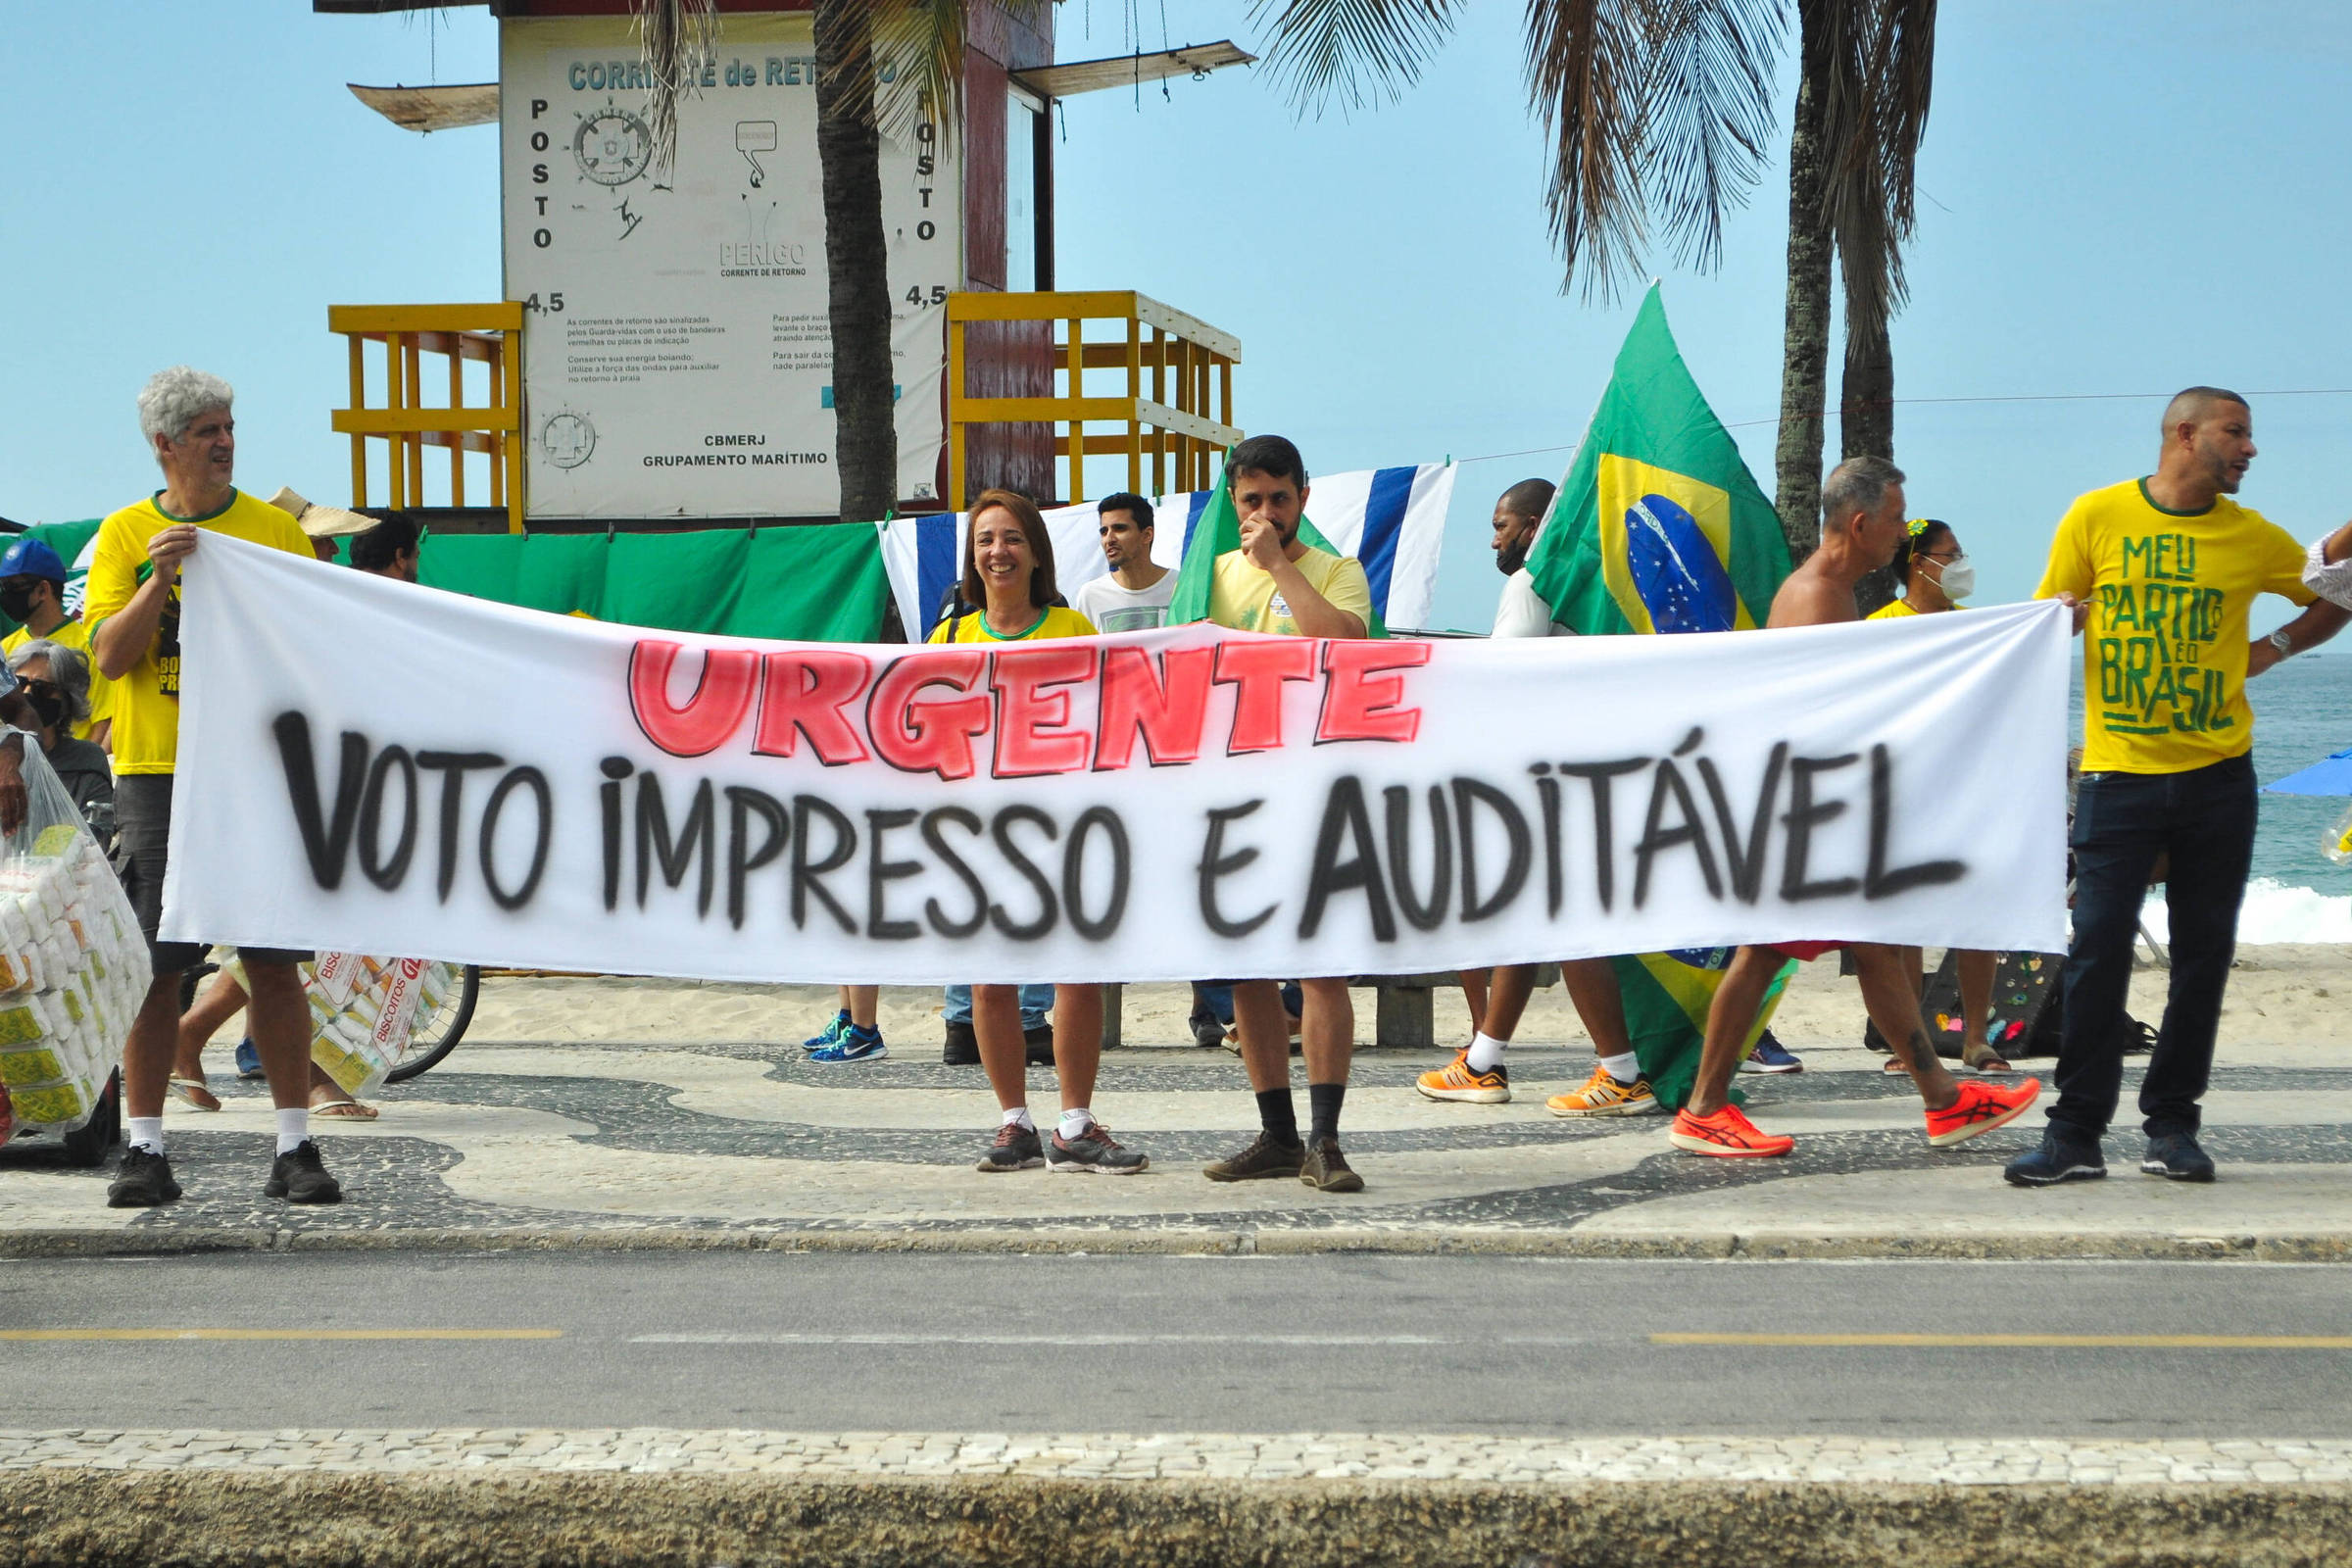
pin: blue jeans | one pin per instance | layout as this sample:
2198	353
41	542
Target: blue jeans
2204	819
1036	1003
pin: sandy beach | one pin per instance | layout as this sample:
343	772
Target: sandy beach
2283	1010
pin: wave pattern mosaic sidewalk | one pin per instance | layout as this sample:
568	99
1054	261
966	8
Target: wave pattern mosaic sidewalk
615	1142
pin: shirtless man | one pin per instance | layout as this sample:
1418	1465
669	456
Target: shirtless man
1862	524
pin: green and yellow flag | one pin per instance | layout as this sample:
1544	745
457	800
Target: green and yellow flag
1659	527
1219	530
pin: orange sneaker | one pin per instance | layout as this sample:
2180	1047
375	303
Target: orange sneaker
1458	1080
1727	1135
1980	1108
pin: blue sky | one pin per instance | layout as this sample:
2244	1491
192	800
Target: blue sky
2118	197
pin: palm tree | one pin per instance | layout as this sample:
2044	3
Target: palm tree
849	151
855	109
1657	114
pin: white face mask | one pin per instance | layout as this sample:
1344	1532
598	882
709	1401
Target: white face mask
1958	579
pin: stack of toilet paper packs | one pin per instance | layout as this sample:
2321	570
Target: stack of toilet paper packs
73	963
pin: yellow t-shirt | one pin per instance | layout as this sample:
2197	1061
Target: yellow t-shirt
73	634
1897	609
146	698
1057	621
1242	593
2164	655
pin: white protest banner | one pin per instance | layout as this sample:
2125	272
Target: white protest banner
384	769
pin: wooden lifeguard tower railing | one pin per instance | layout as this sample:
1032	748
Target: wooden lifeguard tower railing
1179	420
490	334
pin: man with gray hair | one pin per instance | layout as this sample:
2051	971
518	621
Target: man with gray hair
1861	527
132	606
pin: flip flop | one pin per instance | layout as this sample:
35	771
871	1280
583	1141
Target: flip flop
344	1110
1985	1059
191	1093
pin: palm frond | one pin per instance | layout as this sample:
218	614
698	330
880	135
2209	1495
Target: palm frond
1587	62
1352	51
1708	116
1878	77
676	39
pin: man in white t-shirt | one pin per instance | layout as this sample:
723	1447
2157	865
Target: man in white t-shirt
1518	514
1135	596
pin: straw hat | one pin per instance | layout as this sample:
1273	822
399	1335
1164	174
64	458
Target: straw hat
322	523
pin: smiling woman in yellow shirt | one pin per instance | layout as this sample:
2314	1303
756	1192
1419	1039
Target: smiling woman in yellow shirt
1009	575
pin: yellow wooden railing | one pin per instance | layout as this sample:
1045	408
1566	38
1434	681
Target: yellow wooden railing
491	334
1180	420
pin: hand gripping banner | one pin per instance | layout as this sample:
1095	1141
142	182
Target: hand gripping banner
370	767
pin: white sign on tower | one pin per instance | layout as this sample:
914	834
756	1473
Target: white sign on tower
678	350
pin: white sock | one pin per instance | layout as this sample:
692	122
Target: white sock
1624	1068
293	1128
1019	1114
146	1132
1074	1123
1486	1052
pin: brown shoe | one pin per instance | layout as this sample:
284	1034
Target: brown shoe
1263	1157
1326	1169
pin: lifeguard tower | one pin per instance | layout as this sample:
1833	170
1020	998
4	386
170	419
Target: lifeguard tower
661	358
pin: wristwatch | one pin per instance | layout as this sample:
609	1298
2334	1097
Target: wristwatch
2279	640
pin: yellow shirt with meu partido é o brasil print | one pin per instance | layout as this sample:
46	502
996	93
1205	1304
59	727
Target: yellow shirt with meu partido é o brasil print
147	698
2164	655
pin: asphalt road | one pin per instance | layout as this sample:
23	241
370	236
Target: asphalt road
1134	1345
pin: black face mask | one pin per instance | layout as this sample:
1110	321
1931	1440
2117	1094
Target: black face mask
1511	557
16	601
48	704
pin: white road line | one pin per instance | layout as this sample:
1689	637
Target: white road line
1084	1341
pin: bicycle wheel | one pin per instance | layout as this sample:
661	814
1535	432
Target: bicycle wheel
437	1036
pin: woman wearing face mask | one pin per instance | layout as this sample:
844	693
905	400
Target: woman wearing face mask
1937	572
1008	574
1936	577
56	682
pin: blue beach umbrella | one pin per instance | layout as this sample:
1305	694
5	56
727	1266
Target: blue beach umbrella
2332	777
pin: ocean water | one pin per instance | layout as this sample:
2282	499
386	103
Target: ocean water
2302	711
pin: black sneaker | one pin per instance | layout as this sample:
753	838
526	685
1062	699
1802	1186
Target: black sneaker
1095	1150
2064	1157
962	1049
1040	1044
2177	1156
1264	1158
300	1177
1016	1149
144	1181
1326	1169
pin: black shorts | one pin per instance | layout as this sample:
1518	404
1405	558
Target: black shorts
142	850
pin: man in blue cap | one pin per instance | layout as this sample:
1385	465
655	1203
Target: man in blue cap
32	593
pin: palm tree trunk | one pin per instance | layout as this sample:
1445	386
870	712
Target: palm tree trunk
1866	402
1805	339
1866	428
849	150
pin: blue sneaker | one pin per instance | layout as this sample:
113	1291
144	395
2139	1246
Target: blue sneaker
249	1060
854	1045
830	1034
1770	1055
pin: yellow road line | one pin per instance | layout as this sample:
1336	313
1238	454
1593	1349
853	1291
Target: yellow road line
281	1333
2008	1341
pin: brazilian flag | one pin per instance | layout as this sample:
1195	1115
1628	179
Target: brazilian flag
1659	527
1219	530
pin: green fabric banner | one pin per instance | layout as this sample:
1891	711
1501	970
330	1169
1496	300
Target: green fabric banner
821	583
